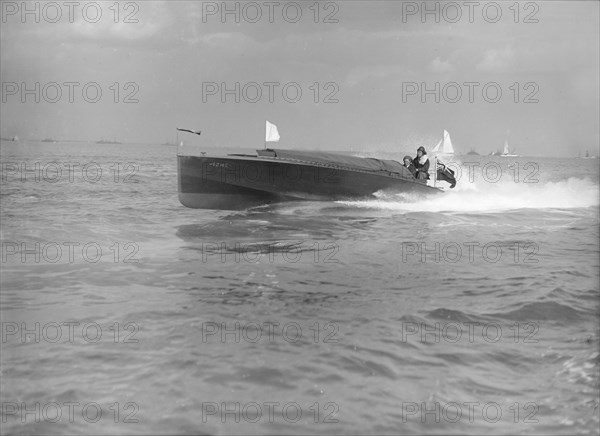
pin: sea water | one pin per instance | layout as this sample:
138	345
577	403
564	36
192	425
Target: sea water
124	312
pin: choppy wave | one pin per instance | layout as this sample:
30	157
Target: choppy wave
381	328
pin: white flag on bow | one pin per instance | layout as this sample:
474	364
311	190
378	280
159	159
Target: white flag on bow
271	133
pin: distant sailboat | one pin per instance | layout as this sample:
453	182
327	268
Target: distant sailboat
444	147
507	152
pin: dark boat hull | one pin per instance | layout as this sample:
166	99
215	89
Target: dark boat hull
238	182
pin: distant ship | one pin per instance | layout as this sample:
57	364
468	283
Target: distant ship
49	140
473	153
177	141
507	152
102	141
172	144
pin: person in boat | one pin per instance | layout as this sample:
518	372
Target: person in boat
421	163
409	165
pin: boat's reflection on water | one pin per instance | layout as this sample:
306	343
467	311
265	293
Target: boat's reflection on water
290	221
268	246
243	258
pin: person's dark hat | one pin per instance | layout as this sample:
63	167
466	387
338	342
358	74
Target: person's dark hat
407	157
422	149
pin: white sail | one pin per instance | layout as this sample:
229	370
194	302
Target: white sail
271	133
507	152
448	149
445	145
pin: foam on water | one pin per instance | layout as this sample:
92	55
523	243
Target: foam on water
481	196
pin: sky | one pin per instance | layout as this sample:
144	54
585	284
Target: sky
361	75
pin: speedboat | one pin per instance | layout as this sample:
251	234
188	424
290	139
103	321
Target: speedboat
238	181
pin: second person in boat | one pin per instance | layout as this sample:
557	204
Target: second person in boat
421	163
